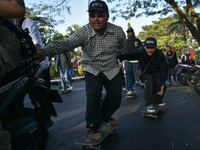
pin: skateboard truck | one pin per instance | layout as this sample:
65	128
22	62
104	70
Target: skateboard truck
86	142
153	114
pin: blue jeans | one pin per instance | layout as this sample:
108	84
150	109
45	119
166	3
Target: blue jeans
130	69
65	78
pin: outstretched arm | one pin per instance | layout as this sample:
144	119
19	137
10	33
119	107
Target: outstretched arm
12	8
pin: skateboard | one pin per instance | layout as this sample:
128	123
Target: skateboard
105	130
153	114
132	96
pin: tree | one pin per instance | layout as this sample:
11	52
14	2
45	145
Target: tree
46	28
137	8
178	27
159	30
72	29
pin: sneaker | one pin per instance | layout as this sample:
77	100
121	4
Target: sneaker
67	91
129	93
62	92
150	109
160	104
175	83
169	83
70	88
111	122
92	134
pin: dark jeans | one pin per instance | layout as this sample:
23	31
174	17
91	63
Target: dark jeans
97	112
130	69
172	73
153	86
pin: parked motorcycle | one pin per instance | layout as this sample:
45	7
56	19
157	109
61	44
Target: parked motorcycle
197	83
182	73
27	126
192	74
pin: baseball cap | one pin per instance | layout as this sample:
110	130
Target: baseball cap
150	42
98	5
130	30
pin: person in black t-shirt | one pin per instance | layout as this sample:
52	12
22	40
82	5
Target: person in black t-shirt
171	63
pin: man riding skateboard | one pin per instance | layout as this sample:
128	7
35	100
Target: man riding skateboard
154	67
100	42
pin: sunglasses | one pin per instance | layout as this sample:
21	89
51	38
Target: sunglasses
92	15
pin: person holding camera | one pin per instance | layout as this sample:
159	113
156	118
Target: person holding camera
153	64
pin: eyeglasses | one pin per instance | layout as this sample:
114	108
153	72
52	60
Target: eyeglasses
92	15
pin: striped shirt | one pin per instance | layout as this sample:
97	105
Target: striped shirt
99	52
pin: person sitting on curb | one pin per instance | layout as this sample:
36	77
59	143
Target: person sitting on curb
153	63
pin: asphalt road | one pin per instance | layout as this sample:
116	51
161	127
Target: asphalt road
177	128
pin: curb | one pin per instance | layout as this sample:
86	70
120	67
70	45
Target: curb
74	79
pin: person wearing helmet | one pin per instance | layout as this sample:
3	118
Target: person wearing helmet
186	59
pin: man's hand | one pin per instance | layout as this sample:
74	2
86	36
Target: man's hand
40	56
160	93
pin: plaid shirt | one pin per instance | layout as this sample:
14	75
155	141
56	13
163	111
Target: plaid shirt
99	52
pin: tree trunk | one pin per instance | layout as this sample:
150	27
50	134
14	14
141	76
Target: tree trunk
195	31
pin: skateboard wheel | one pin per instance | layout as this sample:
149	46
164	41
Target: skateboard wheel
156	117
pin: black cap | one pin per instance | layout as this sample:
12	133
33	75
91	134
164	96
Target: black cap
150	42
130	30
98	5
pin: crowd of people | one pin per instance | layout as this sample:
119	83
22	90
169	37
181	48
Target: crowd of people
104	49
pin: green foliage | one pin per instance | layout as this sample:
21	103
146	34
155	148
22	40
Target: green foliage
45	27
137	8
159	30
53	72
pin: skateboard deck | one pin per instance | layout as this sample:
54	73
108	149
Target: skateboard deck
153	114
86	142
130	96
